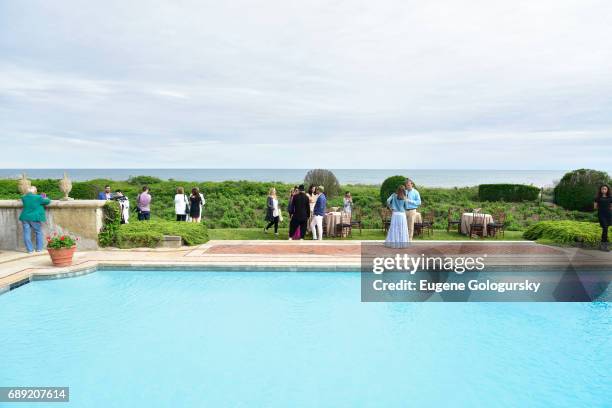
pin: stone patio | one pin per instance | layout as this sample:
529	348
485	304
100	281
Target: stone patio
19	267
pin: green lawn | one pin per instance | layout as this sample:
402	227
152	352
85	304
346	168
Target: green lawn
375	234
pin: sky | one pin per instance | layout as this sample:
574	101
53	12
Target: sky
303	84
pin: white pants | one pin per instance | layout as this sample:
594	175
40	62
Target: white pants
317	224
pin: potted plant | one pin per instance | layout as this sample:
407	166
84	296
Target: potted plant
61	249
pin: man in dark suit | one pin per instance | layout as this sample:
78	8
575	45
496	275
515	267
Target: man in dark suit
301	212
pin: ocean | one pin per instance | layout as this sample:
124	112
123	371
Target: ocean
423	177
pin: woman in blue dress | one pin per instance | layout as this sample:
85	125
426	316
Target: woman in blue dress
398	237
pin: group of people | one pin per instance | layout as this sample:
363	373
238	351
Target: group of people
186	208
189	208
306	211
403	204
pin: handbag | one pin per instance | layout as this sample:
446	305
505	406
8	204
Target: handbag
187	204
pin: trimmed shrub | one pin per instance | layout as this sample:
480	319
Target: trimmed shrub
577	189
150	233
508	192
389	186
325	178
138	239
574	233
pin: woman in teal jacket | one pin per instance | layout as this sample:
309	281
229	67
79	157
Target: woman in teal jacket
32	217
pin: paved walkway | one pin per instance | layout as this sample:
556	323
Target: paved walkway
15	267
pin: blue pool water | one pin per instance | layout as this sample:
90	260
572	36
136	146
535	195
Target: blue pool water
228	339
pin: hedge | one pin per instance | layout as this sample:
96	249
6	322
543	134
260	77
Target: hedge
577	189
150	233
573	233
508	192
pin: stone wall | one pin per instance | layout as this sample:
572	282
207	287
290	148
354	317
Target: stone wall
81	218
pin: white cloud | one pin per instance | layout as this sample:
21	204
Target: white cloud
523	84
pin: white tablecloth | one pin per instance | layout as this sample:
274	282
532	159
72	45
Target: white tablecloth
466	221
332	219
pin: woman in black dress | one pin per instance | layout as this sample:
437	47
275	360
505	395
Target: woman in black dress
195	205
603	201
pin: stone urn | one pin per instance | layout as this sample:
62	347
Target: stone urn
65	186
24	184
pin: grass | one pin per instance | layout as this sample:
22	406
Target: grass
368	234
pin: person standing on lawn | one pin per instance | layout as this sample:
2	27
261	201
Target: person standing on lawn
273	213
603	202
143	203
196	204
301	212
32	216
413	199
318	213
181	204
398	236
312	198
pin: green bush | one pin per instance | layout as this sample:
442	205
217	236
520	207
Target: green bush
150	233
577	189
325	178
143	180
565	233
138	239
111	223
389	186
508	192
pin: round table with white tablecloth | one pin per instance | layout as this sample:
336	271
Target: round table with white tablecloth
332	219
466	221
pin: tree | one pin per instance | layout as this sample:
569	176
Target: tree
325	178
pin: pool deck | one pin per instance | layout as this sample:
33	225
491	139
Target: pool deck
19	267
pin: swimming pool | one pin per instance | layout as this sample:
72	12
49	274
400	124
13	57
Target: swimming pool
274	339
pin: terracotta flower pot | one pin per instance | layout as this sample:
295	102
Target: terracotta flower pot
62	256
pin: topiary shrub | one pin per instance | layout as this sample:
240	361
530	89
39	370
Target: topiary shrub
508	192
577	233
325	178
577	189
389	186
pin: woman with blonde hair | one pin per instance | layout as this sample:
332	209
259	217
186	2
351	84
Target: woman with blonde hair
181	204
398	237
273	213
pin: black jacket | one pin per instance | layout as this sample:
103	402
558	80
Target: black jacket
301	207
